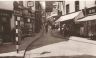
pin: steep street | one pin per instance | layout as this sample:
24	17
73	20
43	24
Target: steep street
49	46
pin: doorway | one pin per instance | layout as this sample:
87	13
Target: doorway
5	29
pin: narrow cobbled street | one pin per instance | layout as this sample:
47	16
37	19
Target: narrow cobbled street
50	46
46	39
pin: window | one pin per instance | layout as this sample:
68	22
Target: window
76	6
67	8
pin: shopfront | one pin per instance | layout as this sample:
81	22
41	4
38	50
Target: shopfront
88	22
5	25
68	22
88	26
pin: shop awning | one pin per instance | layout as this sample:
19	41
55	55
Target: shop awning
88	18
68	17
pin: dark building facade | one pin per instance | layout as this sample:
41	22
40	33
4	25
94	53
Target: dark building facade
5	25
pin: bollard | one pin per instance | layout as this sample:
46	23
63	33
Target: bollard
17	44
17	37
17	48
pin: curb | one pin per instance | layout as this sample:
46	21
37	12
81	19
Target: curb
33	42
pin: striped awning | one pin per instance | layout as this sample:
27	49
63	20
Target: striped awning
68	17
80	15
92	17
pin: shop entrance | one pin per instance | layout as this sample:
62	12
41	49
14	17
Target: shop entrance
5	29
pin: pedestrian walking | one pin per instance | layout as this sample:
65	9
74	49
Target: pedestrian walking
46	27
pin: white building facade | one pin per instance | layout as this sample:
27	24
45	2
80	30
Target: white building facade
81	4
86	24
78	18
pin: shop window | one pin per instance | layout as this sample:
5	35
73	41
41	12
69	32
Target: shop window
76	6
67	8
89	11
92	11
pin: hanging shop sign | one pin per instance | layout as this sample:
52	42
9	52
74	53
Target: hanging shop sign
30	3
18	18
28	20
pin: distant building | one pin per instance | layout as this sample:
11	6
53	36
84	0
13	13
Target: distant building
57	10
